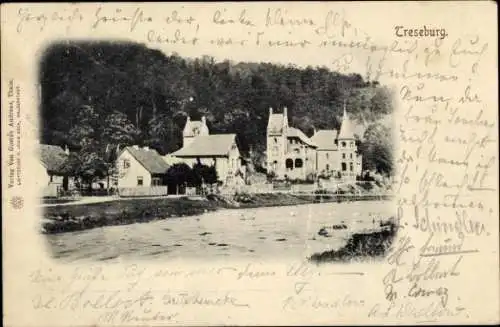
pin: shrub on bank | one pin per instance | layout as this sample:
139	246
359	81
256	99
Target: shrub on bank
361	246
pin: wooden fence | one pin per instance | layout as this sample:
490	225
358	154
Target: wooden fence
143	191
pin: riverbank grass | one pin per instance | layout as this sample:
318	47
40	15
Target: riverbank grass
58	219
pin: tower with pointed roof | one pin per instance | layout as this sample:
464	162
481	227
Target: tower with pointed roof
347	149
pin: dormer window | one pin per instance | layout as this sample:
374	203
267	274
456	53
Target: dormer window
343	144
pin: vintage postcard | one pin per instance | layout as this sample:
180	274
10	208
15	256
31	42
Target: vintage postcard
259	163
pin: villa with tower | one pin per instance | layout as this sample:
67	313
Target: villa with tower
218	150
291	154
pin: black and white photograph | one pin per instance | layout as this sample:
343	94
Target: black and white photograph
250	163
145	155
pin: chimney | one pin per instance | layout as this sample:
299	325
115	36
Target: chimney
203	120
285	112
270	111
66	149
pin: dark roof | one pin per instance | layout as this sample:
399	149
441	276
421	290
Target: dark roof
149	158
53	158
206	146
325	139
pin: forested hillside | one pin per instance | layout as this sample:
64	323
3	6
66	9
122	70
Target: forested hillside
96	96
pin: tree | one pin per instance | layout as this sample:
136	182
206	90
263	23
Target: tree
100	94
377	149
85	133
205	174
163	134
381	102
86	166
118	130
178	176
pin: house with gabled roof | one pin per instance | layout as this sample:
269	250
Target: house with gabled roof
218	150
291	154
51	176
140	167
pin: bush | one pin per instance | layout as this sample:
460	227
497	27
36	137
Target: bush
361	246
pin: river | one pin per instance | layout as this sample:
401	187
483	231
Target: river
272	232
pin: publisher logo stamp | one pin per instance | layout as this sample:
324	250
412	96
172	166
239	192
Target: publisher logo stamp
17	202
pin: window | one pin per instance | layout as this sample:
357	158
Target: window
126	163
51	178
140	181
326	155
351	155
298	163
344	166
343	144
156	181
297	150
289	163
351	167
275	140
275	165
343	155
327	167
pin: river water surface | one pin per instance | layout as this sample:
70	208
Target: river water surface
272	232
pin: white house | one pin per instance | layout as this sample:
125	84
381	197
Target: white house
50	176
140	167
219	150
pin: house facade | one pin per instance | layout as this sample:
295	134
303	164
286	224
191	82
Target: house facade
51	177
291	154
218	150
327	152
140	167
